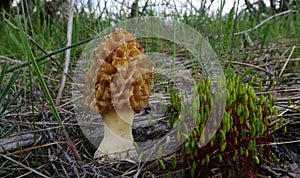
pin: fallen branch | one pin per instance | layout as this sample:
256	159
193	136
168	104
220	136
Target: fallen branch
68	53
263	22
15	142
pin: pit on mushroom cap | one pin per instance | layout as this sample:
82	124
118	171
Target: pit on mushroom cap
118	84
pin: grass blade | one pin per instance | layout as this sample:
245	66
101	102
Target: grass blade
228	31
13	78
9	103
3	72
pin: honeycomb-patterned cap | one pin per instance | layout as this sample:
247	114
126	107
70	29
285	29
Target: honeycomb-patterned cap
119	76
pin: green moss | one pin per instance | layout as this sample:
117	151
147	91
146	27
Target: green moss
242	134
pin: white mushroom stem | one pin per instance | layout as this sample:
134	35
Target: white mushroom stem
118	138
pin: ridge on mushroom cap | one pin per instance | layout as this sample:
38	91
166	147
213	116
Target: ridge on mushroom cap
120	56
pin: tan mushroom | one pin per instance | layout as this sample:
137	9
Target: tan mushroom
117	84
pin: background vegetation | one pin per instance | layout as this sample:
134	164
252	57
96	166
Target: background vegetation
39	135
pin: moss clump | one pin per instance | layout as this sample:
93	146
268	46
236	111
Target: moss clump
242	137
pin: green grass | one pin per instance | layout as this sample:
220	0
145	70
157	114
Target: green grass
26	69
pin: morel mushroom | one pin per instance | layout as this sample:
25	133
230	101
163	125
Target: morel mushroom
117	84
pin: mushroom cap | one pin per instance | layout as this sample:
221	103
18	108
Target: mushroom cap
120	76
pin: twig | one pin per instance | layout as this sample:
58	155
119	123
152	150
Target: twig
283	143
51	162
266	20
68	52
103	9
248	38
69	102
282	113
11	60
36	147
283	90
249	65
287	61
145	6
287	99
24	166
